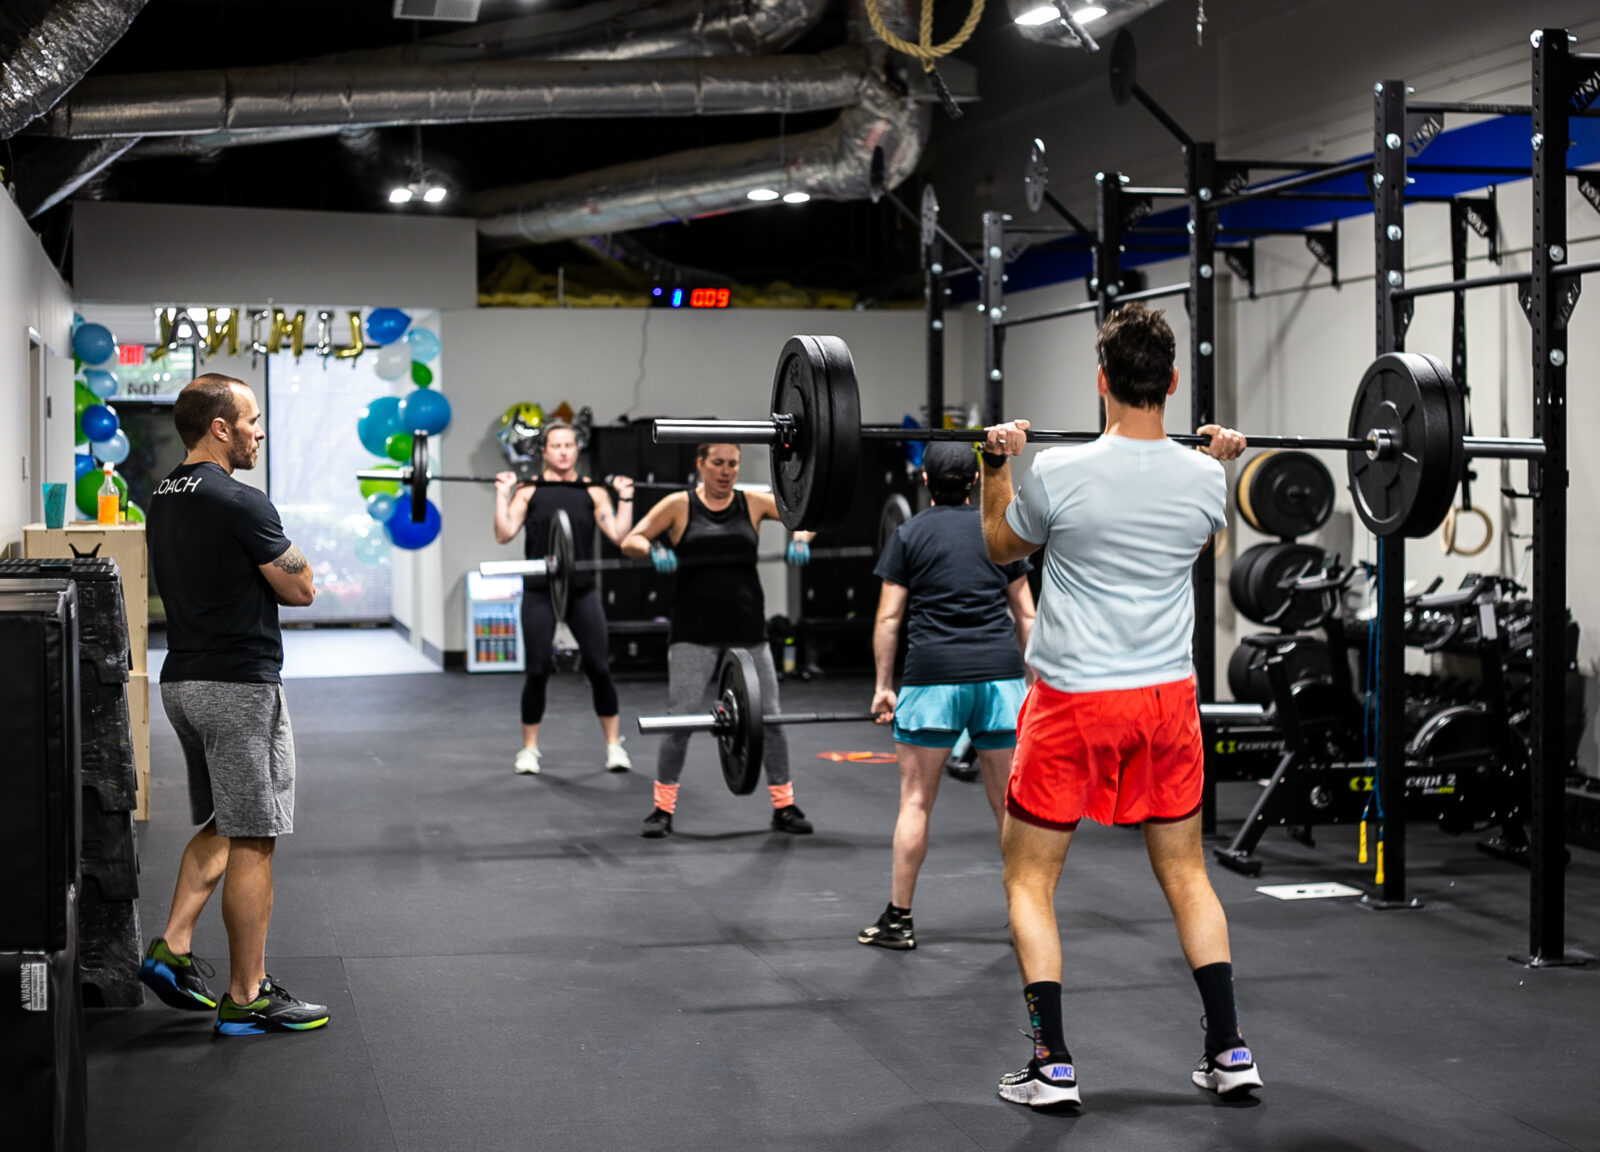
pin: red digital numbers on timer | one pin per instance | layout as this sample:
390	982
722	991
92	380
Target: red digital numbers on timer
708	298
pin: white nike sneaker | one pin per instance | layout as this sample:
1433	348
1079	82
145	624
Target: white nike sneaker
617	758
527	762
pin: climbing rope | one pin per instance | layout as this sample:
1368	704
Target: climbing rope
926	50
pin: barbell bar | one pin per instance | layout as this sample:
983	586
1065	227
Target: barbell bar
739	723
1405	449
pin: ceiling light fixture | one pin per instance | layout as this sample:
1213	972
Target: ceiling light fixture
761	195
1047	13
796	197
422	183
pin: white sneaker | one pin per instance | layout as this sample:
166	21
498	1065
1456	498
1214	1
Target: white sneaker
1230	1071
617	758
527	762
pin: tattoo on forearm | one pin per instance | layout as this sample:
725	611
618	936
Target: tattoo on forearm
292	561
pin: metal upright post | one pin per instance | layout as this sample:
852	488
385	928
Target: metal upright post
1388	205
1108	243
992	301
933	314
1548	308
1201	161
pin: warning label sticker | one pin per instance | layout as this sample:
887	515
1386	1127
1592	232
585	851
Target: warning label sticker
35	986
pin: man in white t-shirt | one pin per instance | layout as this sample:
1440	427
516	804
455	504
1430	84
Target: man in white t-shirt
1111	730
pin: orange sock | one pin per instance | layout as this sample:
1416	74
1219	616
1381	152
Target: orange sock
782	794
666	797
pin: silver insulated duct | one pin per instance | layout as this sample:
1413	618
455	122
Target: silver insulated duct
302	99
46	46
829	163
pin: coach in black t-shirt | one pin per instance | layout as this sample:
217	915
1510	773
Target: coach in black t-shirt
223	565
967	624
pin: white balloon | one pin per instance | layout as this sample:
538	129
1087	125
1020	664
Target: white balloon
394	360
114	449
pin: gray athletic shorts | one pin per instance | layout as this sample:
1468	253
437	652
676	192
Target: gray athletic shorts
240	752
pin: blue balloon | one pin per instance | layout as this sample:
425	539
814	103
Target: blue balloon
425	409
102	383
411	536
99	422
380	506
113	449
424	344
94	344
386	325
77	321
82	465
379	420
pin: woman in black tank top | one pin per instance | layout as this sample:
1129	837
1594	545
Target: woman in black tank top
531	509
716	605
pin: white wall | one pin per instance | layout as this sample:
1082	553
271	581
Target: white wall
164	253
32	296
654	362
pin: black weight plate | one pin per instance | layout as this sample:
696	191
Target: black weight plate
930	216
815	386
740	744
896	511
559	555
1411	398
1285	494
1239	580
419	476
1267	598
1124	68
1035	177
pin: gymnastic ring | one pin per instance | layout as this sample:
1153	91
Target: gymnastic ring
1447	532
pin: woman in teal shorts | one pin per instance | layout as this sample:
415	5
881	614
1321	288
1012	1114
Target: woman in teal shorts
967	624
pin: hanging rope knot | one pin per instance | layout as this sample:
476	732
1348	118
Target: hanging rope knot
926	50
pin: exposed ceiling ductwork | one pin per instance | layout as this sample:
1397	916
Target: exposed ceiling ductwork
46	46
331	97
830	163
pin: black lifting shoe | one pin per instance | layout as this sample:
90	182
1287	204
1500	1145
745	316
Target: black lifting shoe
790	819
656	825
891	930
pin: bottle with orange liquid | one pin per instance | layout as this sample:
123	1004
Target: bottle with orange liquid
106	504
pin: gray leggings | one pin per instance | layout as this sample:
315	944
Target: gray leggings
691	672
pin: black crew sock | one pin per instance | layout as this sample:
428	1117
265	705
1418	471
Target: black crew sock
898	912
1044	1016
1215	982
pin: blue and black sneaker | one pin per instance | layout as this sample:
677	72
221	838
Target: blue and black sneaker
179	981
273	1010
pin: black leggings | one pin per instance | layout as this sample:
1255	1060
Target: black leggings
588	623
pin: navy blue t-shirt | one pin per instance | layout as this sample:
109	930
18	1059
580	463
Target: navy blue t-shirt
958	628
209	535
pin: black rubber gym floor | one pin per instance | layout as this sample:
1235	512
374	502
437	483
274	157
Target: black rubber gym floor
510	966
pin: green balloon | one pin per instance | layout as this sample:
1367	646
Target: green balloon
391	487
398	447
421	374
81	399
135	513
87	492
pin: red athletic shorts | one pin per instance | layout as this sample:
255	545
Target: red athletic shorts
1117	757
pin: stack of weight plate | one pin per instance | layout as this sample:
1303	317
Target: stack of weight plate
109	944
1286	495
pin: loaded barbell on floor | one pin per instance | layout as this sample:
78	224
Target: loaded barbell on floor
416	477
1404	452
739	723
560	556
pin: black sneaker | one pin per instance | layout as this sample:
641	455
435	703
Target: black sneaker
1233	1070
1042	1084
273	1010
790	819
656	825
890	931
177	980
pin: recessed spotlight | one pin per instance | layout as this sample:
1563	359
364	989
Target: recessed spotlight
762	194
796	197
399	195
